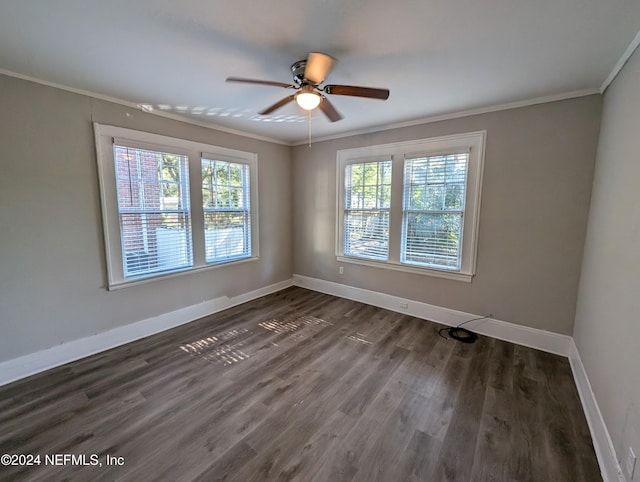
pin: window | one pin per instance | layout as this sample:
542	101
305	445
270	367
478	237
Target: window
153	208
412	206
149	185
226	202
433	210
366	212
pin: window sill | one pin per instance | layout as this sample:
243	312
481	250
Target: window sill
117	285
437	273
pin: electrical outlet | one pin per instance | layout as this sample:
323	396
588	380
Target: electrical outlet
341	270
631	463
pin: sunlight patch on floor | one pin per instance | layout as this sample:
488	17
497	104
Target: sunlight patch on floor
219	349
284	326
358	337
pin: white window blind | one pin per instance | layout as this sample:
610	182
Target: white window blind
227	214
366	212
433	210
154	212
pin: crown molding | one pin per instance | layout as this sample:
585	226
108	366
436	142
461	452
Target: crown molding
457	115
132	105
623	60
369	130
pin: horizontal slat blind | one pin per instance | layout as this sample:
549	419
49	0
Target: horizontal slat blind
367	204
433	210
153	205
227	213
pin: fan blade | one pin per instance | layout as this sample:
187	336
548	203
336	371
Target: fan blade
277	105
356	91
261	82
318	67
329	110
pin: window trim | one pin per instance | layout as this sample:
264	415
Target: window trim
473	142
105	135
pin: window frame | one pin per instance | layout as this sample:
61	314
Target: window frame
247	201
474	143
407	211
105	137
127	144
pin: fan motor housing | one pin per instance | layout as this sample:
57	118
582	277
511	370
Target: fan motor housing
298	68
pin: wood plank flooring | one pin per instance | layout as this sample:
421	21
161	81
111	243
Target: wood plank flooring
303	386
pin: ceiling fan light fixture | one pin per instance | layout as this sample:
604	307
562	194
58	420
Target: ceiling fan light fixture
308	100
308	76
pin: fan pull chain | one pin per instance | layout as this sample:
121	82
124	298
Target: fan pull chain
309	112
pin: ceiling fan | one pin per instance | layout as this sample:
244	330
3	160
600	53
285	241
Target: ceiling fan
308	74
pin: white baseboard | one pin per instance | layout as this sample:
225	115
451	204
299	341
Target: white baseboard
502	330
609	467
27	365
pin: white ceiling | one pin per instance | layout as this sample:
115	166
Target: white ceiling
436	56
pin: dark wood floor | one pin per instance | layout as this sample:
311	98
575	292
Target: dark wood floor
304	386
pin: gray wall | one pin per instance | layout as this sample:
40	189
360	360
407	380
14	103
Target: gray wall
537	183
607	331
53	274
